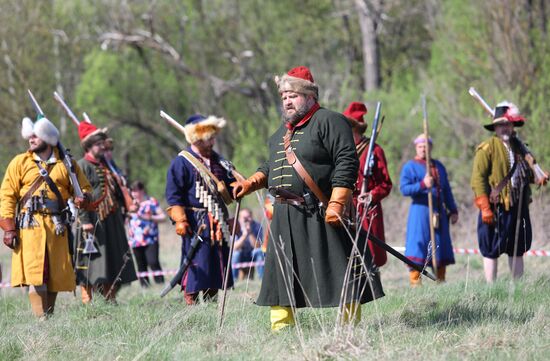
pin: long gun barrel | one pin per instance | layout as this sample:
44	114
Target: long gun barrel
65	107
481	101
64	153
367	170
172	121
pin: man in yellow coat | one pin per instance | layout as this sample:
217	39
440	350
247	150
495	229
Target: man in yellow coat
35	218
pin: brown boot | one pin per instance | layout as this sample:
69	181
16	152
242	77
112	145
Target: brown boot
441	274
414	278
109	292
52	296
39	301
86	293
191	298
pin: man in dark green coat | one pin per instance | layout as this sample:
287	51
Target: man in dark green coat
311	259
105	270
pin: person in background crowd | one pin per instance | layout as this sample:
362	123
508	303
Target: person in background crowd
143	232
247	246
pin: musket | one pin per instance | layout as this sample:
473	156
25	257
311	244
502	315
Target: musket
63	153
430	196
65	107
186	262
541	177
399	256
367	170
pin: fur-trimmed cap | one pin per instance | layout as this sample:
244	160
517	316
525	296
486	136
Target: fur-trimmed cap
355	112
506	112
42	128
198	127
298	80
90	134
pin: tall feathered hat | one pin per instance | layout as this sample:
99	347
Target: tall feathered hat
198	127
298	80
90	134
42	128
506	112
355	112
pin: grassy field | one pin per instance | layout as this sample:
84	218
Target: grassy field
461	319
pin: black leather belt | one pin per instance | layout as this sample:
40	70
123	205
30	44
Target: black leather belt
292	201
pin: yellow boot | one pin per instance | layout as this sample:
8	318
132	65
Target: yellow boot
38	297
281	317
414	278
351	313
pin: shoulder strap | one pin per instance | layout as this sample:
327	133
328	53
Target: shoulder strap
34	186
44	174
302	172
493	197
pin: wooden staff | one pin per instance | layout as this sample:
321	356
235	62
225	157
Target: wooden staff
430	198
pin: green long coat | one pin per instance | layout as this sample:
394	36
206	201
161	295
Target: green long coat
110	235
307	260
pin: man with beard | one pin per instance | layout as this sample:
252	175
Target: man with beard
500	181
311	171
34	216
103	271
197	209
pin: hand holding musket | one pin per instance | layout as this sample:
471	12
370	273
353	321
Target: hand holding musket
541	177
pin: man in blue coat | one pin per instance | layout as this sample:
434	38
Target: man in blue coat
415	183
196	192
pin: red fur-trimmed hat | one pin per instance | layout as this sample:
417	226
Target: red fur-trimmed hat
355	112
90	134
506	112
298	80
198	127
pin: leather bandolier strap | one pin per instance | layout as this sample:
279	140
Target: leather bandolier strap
302	172
495	191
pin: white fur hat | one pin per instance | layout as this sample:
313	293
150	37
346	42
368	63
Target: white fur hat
42	128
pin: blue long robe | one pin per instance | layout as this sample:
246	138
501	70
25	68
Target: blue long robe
417	246
208	265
